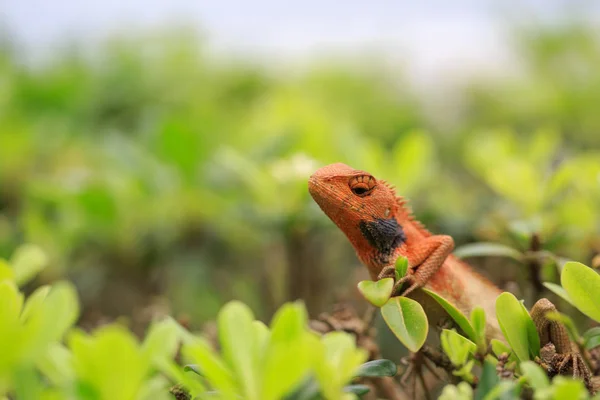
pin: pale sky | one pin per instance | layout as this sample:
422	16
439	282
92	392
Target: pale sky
439	36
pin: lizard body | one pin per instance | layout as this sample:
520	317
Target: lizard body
382	228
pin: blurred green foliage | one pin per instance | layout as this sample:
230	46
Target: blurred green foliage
146	167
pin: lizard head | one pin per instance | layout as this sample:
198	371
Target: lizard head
364	208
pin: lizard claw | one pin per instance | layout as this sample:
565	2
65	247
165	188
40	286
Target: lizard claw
387	272
571	363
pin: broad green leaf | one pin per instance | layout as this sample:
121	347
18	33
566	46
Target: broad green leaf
478	324
27	261
161	341
407	320
485	249
194	368
533	336
568	388
376	292
462	391
499	347
359	390
336	361
457	347
377	368
489	378
263	335
583	286
559	291
56	364
513	323
34	301
238	342
401	267
215	370
6	272
456	315
288	354
52	318
592	338
11	303
535	375
109	362
503	390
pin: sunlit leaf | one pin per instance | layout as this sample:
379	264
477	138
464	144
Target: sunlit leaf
513	323
407	319
238	341
28	261
489	378
455	314
401	267
288	355
499	348
377	292
535	375
559	291
359	390
583	285
457	347
485	249
377	368
592	337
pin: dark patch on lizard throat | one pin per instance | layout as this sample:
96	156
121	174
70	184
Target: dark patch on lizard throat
385	235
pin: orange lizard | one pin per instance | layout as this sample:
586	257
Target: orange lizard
382	228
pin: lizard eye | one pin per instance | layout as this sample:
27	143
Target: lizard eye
362	185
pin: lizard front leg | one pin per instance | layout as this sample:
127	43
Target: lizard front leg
558	354
424	259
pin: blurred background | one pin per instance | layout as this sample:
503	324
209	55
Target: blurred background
159	151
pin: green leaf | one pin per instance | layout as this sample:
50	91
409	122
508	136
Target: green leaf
212	367
583	286
535	375
486	249
34	301
287	357
456	315
457	347
27	261
407	320
559	291
6	272
478	324
499	347
503	390
401	267
513	323
377	368
193	368
489	378
376	292
162	341
591	338
533	336
359	390
568	388
238	341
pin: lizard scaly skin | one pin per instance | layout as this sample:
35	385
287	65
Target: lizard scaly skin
381	228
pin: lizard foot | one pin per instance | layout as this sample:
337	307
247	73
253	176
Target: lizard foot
566	364
387	272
